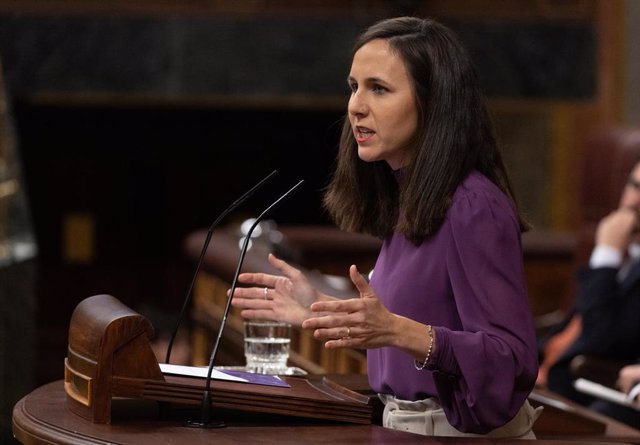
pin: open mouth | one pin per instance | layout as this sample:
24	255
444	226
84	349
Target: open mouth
363	133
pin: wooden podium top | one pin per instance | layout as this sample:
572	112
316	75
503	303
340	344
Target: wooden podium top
42	417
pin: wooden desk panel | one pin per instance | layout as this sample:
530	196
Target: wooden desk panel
42	418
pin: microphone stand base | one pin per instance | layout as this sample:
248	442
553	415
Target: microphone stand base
205	425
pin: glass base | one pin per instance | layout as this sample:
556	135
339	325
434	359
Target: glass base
290	370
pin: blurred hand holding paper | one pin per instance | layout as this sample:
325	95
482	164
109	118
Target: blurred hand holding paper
603	392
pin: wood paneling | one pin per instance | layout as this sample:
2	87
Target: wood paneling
523	10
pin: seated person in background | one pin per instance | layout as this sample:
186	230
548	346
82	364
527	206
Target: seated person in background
606	319
629	383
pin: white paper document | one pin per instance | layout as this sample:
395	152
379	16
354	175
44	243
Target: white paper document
198	371
601	391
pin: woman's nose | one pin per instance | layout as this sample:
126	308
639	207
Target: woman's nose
357	106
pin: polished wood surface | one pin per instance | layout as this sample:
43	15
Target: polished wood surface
106	340
109	357
564	419
42	418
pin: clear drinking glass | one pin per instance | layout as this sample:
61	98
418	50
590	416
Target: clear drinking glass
266	346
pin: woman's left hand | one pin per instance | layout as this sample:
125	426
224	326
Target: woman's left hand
356	323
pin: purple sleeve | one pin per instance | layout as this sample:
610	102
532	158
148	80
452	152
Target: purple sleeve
484	372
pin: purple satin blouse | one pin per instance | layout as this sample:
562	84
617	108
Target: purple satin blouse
467	281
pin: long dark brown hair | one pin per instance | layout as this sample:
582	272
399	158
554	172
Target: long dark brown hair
455	136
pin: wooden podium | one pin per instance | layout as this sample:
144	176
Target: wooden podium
109	356
41	418
114	392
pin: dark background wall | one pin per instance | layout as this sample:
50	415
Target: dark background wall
148	126
261	56
145	126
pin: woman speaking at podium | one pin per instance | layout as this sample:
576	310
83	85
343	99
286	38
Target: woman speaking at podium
445	317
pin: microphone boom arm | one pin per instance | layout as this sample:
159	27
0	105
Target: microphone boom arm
206	400
187	298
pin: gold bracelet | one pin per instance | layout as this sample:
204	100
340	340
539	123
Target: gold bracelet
421	365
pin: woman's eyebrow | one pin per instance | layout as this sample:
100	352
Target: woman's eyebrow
368	79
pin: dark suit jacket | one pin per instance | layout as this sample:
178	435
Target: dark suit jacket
610	312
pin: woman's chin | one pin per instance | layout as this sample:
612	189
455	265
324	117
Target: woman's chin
366	155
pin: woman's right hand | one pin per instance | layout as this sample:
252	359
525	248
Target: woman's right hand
280	298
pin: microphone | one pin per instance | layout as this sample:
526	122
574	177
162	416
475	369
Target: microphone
205	410
228	210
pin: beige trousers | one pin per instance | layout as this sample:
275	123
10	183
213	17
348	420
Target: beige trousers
427	417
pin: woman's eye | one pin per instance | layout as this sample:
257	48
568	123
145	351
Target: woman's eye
377	89
353	87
